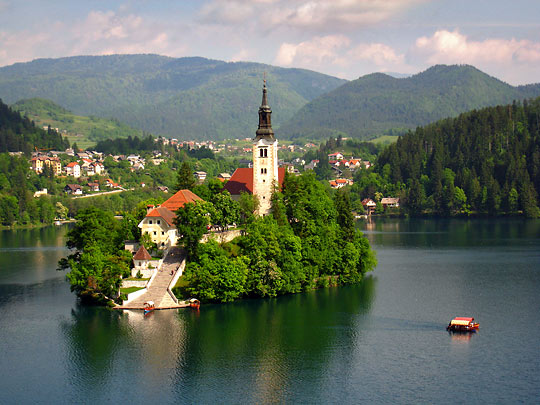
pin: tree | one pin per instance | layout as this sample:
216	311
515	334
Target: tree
186	180
345	218
61	210
192	221
249	204
226	211
216	277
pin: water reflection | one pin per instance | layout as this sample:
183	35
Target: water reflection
262	345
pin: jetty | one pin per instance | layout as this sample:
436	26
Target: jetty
160	289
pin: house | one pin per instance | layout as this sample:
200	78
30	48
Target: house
159	221
339	183
39	193
390	202
141	261
369	205
93	186
201	176
165	189
137	166
311	165
39	162
335	156
98	167
74	189
73	169
111	184
224	176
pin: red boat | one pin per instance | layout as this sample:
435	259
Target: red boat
462	324
194	303
149	307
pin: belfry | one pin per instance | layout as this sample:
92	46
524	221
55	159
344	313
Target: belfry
264	176
265	159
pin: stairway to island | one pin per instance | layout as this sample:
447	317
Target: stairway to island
157	291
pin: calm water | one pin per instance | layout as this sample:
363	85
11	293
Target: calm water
381	341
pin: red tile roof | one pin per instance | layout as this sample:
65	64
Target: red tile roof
162	212
72	164
179	199
142	254
242	180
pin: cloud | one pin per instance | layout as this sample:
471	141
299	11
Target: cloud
338	55
377	53
97	33
317	51
320	15
453	47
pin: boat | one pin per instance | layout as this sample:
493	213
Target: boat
462	324
149	307
194	303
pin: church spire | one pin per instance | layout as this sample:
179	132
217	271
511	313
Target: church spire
265	118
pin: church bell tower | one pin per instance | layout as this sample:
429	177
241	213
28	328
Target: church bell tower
265	159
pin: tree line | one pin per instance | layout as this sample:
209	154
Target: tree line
18	134
485	161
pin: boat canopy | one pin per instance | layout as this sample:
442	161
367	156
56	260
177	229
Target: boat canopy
461	320
149	303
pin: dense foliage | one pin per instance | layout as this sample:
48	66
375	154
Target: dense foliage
310	241
189	98
98	261
20	134
376	104
485	161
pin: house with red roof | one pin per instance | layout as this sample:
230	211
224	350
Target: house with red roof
159	221
73	169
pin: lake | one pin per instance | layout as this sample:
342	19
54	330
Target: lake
382	341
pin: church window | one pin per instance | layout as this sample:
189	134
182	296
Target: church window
263	152
163	233
150	222
158	222
155	233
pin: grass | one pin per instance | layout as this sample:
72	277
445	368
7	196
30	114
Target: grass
137	279
129	290
385	139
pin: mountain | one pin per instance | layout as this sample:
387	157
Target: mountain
20	134
379	104
193	98
94	129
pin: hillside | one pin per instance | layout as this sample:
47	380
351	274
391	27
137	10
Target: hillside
18	134
181	97
379	104
92	129
483	161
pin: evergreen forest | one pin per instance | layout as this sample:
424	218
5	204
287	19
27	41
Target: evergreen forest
484	161
18	134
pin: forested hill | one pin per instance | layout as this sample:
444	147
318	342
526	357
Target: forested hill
193	98
20	134
377	103
45	112
484	161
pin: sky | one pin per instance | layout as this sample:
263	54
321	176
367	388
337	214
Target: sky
343	38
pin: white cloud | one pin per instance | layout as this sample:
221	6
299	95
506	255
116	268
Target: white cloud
343	58
98	33
453	47
377	53
321	15
317	51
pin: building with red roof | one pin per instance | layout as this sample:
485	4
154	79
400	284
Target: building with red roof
159	221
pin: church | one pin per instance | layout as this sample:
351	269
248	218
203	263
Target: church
265	175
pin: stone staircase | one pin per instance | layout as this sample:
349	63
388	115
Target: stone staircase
157	291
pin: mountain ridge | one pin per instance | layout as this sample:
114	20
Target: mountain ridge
190	97
378	104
